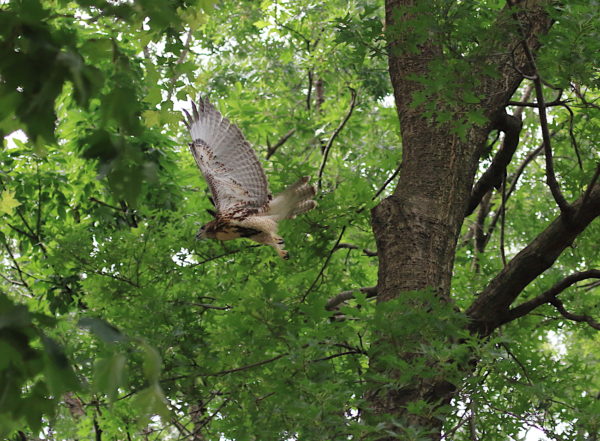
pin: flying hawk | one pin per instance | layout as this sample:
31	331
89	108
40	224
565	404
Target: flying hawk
237	182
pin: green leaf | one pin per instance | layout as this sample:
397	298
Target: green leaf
150	401
109	374
101	329
8	203
152	363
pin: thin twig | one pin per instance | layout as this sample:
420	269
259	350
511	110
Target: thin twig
340	354
182	56
503	220
349	246
310	86
93	199
386	183
228	253
513	186
322	270
514	357
272	149
20	272
537	105
244	368
334	135
572	136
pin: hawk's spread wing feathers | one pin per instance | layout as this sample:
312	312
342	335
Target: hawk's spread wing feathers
235	177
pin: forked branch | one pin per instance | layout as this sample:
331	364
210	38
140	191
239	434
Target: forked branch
549	296
565	208
494	301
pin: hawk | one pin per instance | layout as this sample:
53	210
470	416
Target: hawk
237	182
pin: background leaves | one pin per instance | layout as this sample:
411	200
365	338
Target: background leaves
111	313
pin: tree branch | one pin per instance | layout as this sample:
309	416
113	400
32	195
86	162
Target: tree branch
565	208
547	296
537	105
591	185
349	246
572	135
386	183
272	149
182	56
20	272
511	126
493	302
334	302
310	288
334	135
513	186
574	317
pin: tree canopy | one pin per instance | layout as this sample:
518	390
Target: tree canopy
446	287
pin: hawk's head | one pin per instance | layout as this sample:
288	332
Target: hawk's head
207	231
201	234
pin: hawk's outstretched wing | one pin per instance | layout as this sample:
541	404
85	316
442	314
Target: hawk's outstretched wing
230	166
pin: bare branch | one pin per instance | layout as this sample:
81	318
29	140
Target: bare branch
334	302
550	175
574	317
13	259
503	220
349	246
272	149
92	199
549	295
581	96
320	93
244	368
310	288
511	126
513	186
182	56
334	135
386	183
310	87
340	354
572	135
537	105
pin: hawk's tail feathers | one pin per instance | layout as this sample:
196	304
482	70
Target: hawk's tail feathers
303	207
294	200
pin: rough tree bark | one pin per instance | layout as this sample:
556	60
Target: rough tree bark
417	227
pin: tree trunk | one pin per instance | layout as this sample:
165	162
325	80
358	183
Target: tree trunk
417	228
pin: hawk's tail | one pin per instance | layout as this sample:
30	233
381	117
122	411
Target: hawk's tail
294	200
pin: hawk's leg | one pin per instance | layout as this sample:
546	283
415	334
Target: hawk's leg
274	241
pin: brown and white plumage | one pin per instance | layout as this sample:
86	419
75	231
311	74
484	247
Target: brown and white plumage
238	184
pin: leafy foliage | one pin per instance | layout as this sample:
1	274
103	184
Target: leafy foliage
114	319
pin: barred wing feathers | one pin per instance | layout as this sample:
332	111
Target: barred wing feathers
234	175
